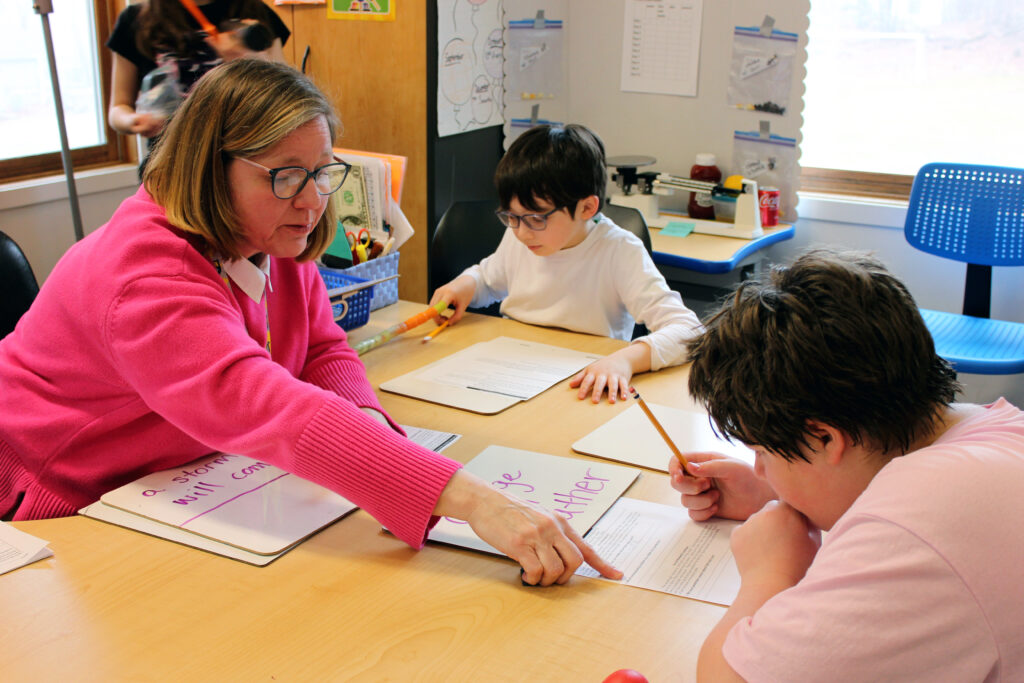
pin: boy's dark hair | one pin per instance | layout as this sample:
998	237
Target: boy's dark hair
835	338
559	164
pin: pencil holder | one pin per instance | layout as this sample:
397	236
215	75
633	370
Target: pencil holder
353	310
385	293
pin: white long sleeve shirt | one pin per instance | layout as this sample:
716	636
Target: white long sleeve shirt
601	286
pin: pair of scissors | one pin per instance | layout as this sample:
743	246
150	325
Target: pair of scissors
359	243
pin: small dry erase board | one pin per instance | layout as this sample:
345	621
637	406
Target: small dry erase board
235	500
630	437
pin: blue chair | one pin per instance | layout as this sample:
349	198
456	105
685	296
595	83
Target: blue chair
973	214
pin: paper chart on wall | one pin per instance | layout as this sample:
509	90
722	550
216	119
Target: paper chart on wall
661	47
470	65
580	490
658	547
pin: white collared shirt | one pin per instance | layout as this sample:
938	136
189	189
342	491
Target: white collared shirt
249	277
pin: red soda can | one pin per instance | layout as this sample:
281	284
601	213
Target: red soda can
768	200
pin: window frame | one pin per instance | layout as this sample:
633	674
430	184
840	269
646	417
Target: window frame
117	148
855	183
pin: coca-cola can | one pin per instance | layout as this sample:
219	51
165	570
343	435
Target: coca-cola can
768	200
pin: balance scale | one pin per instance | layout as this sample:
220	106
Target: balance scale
747	224
650	185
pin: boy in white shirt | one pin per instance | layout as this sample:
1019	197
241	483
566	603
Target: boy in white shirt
564	264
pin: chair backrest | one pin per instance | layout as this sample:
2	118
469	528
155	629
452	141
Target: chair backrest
969	213
630	219
467	232
18	286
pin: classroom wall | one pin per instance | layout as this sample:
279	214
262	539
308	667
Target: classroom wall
37	214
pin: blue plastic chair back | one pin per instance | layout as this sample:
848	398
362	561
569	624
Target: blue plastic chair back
968	213
973	214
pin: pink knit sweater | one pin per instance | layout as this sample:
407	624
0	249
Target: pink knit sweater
136	358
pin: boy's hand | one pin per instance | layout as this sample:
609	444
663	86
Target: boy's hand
737	492
612	373
458	293
775	546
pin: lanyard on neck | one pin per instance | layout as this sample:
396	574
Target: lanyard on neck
266	309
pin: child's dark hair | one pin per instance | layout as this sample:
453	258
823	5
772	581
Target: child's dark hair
834	338
558	164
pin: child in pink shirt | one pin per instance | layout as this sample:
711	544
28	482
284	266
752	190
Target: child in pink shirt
828	372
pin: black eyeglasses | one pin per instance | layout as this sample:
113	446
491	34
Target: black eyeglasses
534	221
288	181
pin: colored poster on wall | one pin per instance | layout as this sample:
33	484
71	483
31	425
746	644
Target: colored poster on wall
367	10
469	65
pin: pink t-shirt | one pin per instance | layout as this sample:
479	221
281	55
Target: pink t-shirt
921	580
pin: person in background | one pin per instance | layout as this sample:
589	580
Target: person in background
828	372
162	33
562	263
196	321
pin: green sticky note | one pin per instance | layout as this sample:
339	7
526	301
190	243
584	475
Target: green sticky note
678	229
340	246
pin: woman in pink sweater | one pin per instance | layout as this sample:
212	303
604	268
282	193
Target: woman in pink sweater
195	321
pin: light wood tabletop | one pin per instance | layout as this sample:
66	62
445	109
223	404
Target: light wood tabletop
713	254
352	603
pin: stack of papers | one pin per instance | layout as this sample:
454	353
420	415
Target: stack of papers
370	198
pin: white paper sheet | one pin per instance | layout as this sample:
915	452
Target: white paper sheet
661	46
510	367
18	548
658	547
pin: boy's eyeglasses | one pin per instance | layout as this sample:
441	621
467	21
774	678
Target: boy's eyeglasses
534	221
288	181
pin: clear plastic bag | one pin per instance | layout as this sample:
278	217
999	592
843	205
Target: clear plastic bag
761	71
771	160
161	93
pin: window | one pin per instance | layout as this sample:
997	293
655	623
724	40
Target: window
894	84
29	134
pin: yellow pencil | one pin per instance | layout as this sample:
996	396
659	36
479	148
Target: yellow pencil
661	430
437	331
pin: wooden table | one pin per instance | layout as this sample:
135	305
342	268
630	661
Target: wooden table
353	603
713	254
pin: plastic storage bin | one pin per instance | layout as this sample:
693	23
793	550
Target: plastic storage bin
385	293
354	309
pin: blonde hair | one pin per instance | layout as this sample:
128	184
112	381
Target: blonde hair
238	109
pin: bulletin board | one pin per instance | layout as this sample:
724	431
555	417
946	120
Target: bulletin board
675	128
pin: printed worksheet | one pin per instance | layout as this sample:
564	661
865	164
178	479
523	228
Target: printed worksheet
658	547
490	376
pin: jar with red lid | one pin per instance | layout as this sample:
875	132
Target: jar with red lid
700	205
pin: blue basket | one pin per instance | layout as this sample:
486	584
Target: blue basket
384	293
354	309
